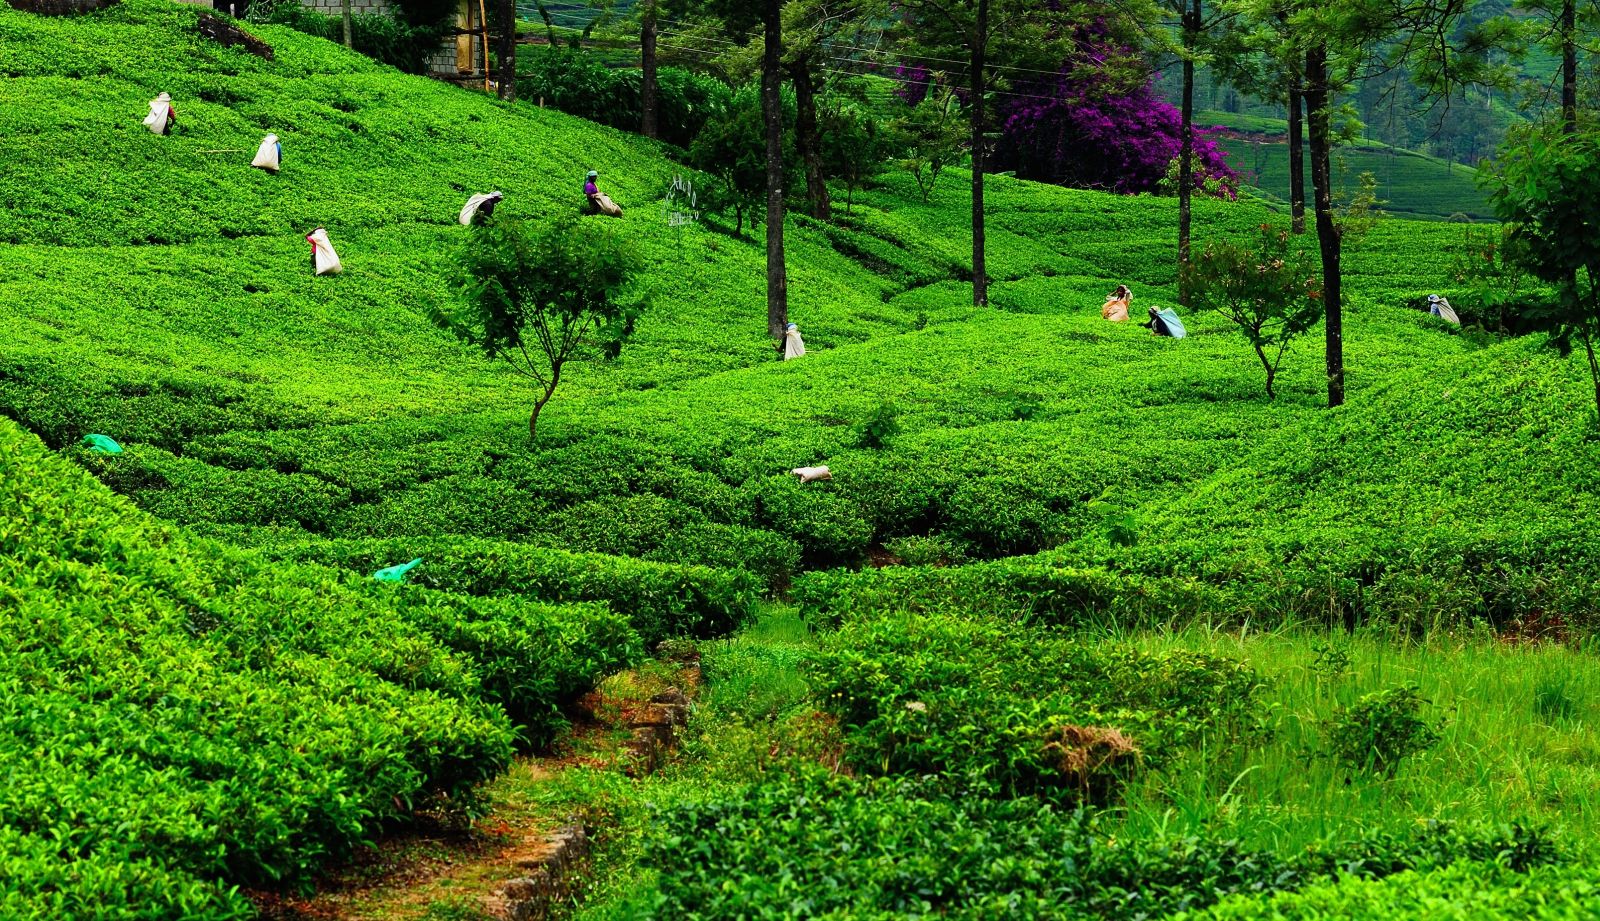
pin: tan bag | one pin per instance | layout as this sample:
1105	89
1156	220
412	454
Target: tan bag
1115	310
606	205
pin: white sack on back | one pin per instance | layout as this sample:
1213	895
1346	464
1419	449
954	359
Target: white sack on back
793	345
483	202
160	108
1446	312
322	254
808	474
268	155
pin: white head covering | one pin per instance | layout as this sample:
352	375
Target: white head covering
267	154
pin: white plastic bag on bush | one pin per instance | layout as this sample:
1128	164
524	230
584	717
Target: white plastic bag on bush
269	154
811	474
482	202
160	114
323	258
793	345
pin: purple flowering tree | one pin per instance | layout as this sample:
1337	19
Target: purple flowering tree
1099	123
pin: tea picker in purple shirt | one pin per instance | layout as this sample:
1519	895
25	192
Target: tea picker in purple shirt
599	202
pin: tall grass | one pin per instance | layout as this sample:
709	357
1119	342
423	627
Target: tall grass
1517	727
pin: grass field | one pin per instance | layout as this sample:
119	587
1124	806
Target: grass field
1024	712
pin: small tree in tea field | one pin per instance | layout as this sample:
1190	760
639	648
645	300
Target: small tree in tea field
1270	292
538	297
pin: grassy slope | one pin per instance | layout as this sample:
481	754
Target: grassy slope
1413	184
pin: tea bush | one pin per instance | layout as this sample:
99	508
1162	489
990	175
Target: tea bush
659	600
1017	710
806	846
1461	890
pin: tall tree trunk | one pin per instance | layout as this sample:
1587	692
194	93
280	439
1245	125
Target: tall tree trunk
808	139
1318	114
506	10
980	270
648	102
772	106
1569	66
344	16
1297	159
1191	40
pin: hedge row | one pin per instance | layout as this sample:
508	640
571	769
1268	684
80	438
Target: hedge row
812	847
659	600
176	716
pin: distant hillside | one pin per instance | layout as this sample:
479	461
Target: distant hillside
1415	185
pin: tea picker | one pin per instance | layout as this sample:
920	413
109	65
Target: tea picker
599	202
324	261
1441	308
1165	322
477	206
793	345
269	155
1117	304
161	116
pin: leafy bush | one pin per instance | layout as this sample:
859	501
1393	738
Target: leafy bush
660	601
1461	890
1381	730
806	846
395	39
579	83
1015	710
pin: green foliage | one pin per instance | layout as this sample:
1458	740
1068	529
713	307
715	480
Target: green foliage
880	426
1381	730
854	146
928	137
732	147
806	846
1498	290
536	296
580	83
1013	711
397	39
1461	890
1270	292
660	601
1547	189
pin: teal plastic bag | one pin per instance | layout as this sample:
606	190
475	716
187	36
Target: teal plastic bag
396	573
101	444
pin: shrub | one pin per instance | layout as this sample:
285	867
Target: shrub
660	601
578	83
1381	730
1013	710
807	846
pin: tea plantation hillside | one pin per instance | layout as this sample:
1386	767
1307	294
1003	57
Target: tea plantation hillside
208	689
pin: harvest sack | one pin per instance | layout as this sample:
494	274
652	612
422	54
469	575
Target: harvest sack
603	202
1168	324
482	202
808	474
160	116
1441	308
269	154
1115	310
323	258
793	345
